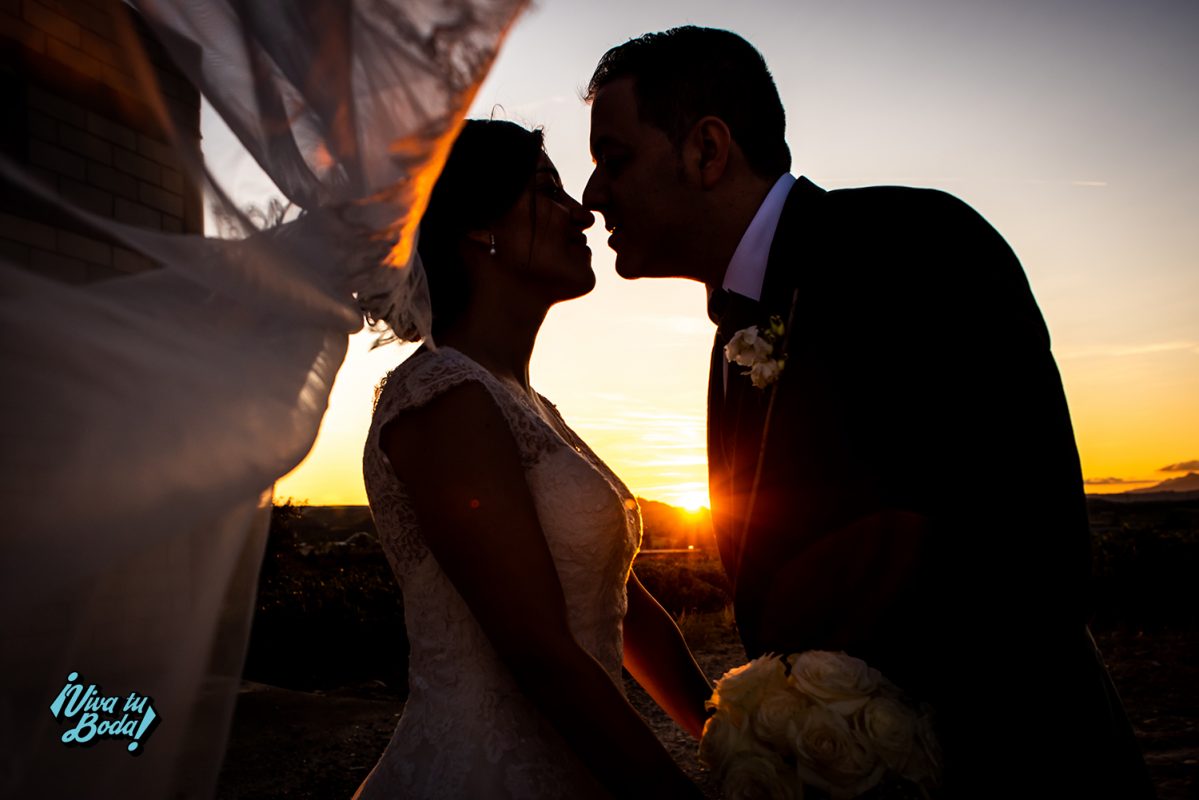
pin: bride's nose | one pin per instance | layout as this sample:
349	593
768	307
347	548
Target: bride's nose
582	217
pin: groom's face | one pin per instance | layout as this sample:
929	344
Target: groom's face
638	186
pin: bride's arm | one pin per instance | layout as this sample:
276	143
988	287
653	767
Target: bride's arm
459	464
656	655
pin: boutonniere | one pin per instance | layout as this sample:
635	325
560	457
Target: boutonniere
759	349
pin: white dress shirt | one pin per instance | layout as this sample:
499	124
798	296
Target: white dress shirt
747	269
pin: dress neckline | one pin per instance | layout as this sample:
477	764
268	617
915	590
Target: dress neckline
545	410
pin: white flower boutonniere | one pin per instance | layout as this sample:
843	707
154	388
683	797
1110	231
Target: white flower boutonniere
755	348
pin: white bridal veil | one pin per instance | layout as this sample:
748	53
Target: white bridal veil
144	419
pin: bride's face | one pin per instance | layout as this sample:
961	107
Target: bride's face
541	238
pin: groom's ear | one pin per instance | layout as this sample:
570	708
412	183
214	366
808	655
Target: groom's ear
706	150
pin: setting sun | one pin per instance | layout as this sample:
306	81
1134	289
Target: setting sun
693	500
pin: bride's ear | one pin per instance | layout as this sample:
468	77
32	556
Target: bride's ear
481	237
484	238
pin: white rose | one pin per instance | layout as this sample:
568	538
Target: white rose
835	678
891	727
747	347
778	716
758	777
741	690
723	739
764	373
832	757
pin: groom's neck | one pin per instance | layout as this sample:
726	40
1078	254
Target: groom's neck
726	219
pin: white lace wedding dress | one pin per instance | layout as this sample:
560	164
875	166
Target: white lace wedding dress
467	731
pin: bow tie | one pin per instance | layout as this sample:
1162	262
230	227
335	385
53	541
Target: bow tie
725	307
718	303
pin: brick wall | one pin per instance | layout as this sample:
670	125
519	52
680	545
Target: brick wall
75	117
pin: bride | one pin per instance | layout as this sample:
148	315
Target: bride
511	540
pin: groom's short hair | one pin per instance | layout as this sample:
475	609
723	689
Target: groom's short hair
687	73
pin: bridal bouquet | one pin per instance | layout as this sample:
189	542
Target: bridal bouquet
819	719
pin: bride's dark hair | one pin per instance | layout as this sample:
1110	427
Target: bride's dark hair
491	164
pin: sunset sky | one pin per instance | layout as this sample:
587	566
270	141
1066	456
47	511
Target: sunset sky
1072	125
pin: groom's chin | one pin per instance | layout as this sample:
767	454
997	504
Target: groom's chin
630	268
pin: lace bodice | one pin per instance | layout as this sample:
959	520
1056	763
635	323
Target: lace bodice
467	731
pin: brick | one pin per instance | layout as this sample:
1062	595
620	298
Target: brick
175	86
161	199
101	272
185	114
130	262
156	151
57	107
14	252
137	214
42	126
172	224
12	27
98	20
85	144
26	231
108	179
50	21
101	49
60	268
44	154
134	164
84	248
193	212
74	58
47	179
172	181
121	81
87	197
113	132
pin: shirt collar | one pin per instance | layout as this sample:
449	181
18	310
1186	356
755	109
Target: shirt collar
747	269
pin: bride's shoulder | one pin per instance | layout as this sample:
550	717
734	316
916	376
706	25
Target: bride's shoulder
426	374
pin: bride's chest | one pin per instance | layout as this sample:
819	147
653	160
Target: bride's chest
590	521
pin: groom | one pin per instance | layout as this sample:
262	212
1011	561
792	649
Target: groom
892	467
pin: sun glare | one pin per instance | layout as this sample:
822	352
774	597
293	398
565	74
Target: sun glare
693	501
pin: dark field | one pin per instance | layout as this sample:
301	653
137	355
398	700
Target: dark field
325	674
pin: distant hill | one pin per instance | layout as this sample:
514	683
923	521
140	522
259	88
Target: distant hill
664	526
667	526
1187	483
1144	498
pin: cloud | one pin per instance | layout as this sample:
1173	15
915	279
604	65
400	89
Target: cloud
1116	351
1182	466
1112	481
1089	184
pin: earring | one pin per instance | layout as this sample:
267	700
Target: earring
493	245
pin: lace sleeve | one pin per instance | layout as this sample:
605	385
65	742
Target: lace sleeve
428	374
414	383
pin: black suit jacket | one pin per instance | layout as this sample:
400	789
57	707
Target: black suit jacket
909	491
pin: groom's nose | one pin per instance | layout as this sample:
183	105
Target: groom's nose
594	197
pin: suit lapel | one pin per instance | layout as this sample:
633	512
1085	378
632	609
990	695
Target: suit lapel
725	418
737	414
791	250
